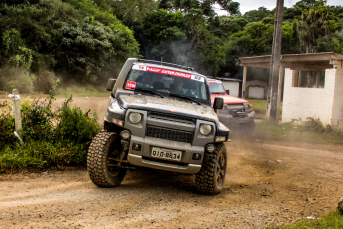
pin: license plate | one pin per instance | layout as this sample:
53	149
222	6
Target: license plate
166	153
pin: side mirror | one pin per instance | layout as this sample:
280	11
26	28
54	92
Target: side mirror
228	92
110	84
218	103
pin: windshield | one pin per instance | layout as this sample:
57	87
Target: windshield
216	87
168	83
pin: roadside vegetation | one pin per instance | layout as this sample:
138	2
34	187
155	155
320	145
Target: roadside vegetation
310	130
51	138
334	220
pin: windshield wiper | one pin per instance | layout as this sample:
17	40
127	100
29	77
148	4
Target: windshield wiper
184	97
150	91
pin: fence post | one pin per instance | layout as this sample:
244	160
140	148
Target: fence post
16	109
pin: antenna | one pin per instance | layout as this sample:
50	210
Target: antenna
161	60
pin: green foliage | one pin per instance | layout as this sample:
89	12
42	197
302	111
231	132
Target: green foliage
58	137
257	15
84	41
6	126
18	54
42	155
314	24
80	41
333	220
23	82
75	125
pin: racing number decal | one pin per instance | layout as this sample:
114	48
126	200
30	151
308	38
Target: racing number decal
130	85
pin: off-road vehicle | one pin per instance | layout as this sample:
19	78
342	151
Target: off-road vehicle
159	116
237	113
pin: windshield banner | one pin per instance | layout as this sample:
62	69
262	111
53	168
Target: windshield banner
168	72
214	81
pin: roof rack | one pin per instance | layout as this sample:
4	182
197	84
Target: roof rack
166	64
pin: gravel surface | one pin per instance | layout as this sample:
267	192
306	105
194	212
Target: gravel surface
267	183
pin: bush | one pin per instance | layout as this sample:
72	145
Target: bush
23	83
44	81
75	125
51	138
41	155
6	126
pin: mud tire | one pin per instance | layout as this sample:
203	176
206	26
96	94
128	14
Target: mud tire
104	146
210	179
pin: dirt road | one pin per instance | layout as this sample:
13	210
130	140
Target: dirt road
267	183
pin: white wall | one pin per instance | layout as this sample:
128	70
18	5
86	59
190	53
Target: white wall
309	102
256	92
257	83
233	86
337	109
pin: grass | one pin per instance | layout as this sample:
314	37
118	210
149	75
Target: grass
311	131
260	107
334	220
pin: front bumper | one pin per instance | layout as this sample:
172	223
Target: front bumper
140	161
143	156
228	119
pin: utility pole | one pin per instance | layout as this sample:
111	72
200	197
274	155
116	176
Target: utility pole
272	99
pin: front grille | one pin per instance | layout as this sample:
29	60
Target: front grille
171	118
168	134
236	110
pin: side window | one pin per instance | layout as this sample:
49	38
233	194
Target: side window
308	79
203	91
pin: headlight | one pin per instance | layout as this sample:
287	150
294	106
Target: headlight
205	129
246	106
135	117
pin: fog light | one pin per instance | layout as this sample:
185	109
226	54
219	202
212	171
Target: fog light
117	122
220	139
196	156
136	147
210	148
125	134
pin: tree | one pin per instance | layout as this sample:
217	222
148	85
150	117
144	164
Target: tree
205	5
82	42
313	25
257	15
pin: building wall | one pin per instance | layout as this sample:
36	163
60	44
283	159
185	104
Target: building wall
256	92
261	83
337	109
233	86
300	103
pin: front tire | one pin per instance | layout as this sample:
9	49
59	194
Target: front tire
104	148
210	179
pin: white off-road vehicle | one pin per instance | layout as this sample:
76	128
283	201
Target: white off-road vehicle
159	116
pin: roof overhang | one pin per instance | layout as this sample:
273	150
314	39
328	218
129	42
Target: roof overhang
300	62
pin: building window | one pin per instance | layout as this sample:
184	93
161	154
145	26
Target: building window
308	79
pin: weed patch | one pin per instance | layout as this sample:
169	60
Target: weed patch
311	131
333	220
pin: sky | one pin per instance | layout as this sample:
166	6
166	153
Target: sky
247	5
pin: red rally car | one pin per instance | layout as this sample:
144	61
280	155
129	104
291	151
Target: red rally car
237	113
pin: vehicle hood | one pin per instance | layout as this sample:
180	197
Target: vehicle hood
168	105
228	99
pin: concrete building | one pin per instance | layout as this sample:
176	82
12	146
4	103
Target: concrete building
231	84
313	86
